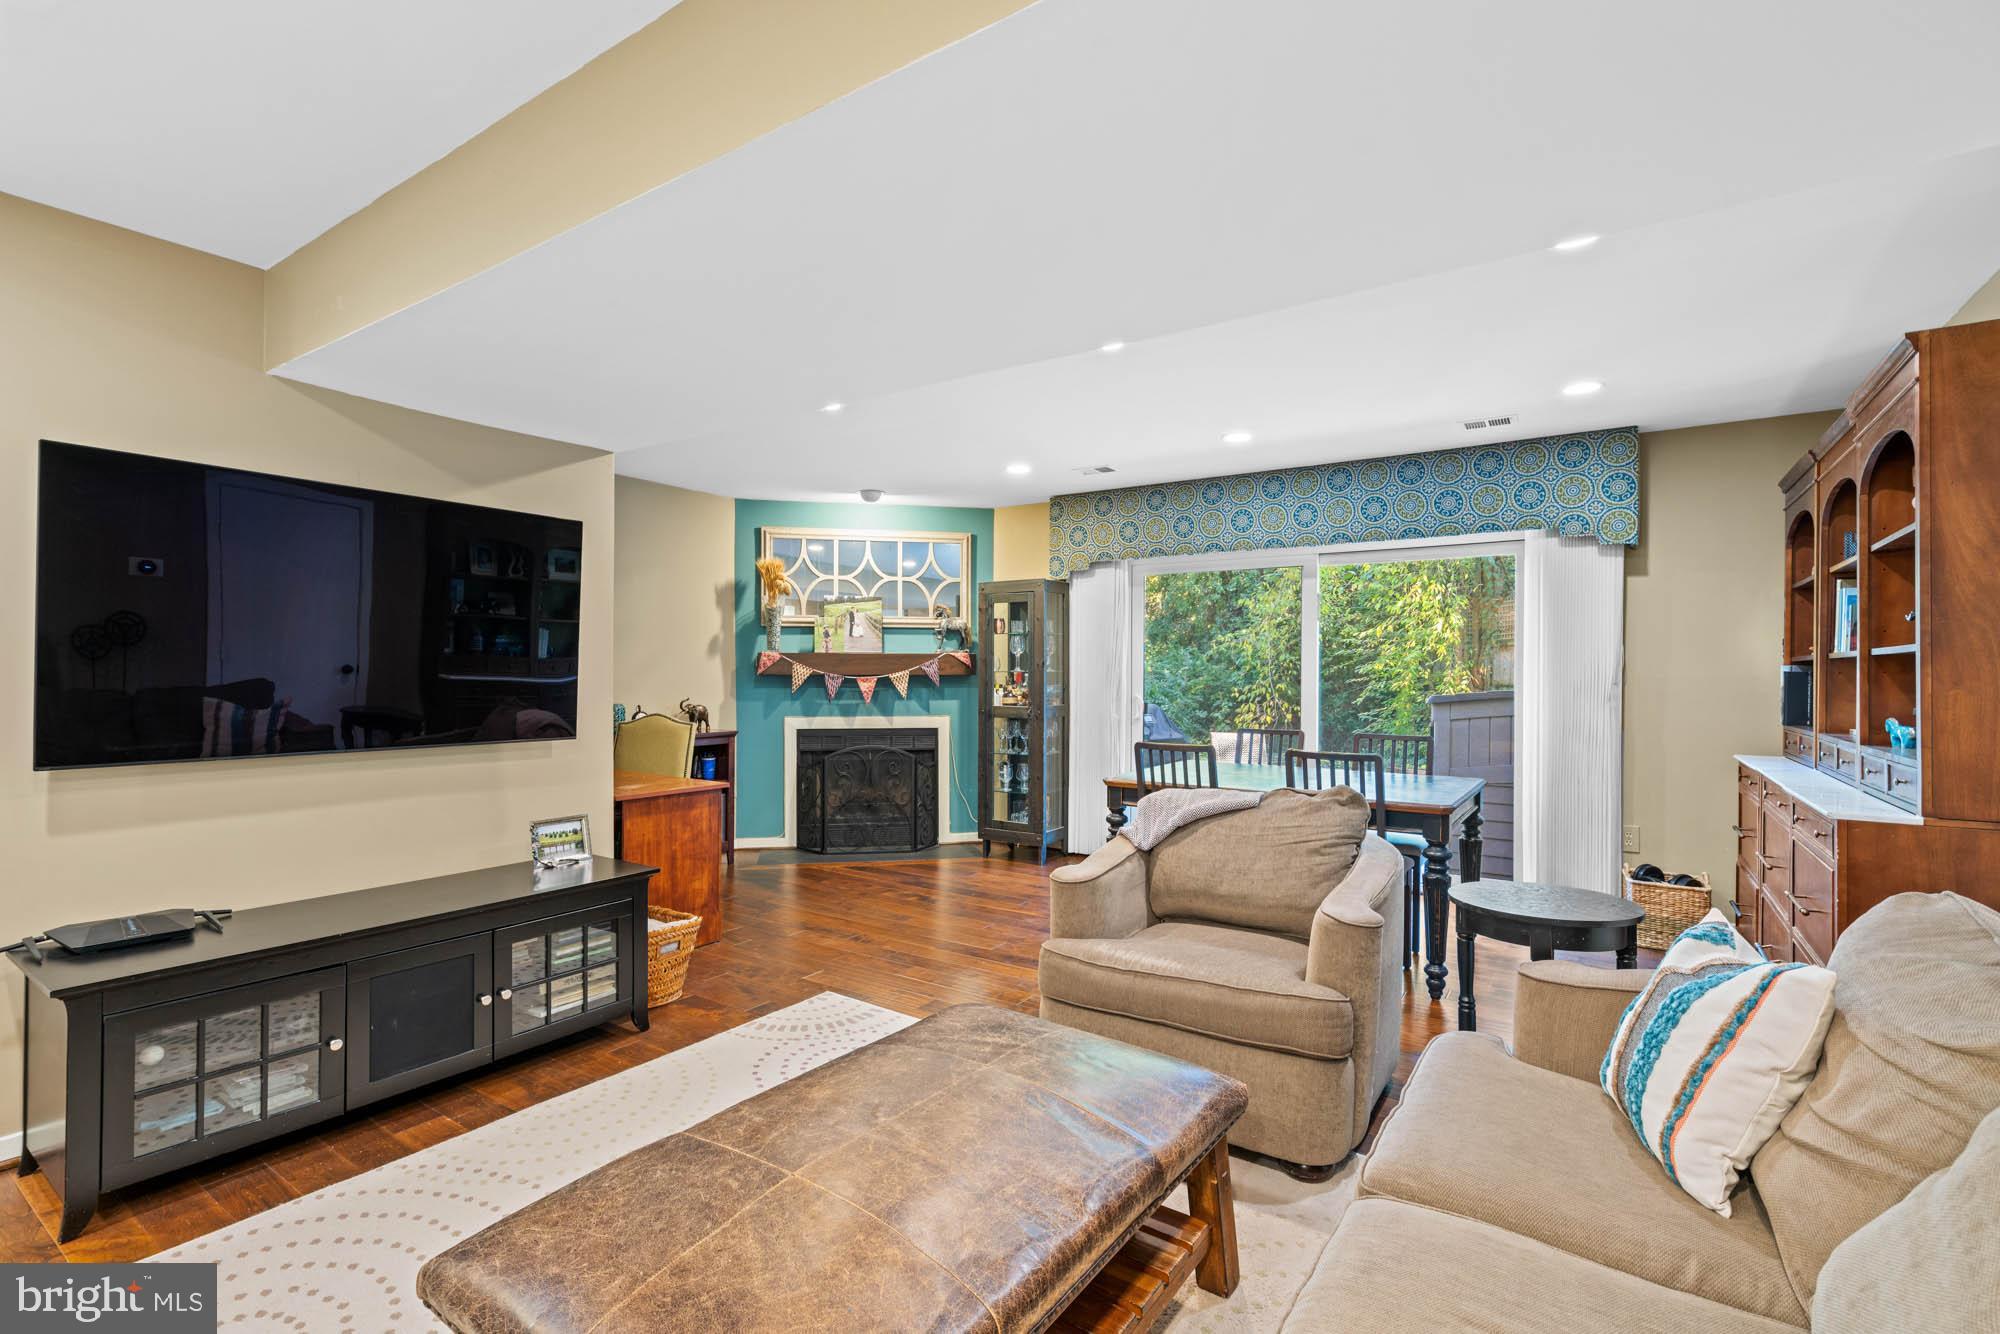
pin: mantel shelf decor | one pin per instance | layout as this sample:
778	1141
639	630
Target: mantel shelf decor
864	669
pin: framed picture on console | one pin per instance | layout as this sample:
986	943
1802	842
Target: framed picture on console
559	842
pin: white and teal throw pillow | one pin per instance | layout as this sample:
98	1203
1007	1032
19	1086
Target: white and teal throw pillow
1712	1054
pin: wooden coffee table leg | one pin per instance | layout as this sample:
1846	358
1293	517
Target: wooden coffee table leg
1212	1200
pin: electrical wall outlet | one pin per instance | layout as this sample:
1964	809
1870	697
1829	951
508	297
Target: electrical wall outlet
1631	838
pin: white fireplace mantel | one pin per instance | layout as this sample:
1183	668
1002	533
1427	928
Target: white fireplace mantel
794	724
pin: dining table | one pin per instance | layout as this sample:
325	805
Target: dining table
1433	805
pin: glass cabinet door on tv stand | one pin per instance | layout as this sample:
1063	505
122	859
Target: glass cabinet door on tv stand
1023	665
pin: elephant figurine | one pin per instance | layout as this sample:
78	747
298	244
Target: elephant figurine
696	714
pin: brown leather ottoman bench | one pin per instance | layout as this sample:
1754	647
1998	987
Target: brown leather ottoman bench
975	1171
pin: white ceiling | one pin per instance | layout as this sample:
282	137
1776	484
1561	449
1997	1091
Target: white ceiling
248	127
1326	224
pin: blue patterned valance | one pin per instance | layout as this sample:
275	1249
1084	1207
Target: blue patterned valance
1584	485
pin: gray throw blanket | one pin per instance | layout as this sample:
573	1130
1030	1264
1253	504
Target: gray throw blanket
1160	813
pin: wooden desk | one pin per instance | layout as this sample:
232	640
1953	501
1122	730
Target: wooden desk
676	824
722	745
1432	806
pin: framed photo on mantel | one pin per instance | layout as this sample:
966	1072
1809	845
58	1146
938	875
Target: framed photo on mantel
559	842
850	626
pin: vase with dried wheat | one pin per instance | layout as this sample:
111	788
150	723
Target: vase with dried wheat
776	586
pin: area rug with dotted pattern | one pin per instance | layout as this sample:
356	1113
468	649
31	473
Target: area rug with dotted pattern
346	1257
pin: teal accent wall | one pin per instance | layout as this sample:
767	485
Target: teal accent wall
764	702
1582	485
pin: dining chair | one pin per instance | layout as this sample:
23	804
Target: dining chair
1314	770
1267	745
1402	753
654	744
1163	764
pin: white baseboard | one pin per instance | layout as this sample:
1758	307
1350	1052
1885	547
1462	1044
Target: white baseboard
780	841
10	1147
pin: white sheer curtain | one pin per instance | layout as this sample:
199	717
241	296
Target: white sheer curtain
1103	702
1569	724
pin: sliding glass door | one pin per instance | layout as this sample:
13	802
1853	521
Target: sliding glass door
1394	634
1222	653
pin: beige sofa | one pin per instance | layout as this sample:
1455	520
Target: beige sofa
1266	944
1506	1192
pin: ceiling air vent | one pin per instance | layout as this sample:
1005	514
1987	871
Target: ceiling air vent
1487	423
1095	470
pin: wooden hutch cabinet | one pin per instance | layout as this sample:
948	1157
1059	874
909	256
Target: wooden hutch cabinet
1892	602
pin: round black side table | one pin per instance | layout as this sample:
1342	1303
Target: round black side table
1545	918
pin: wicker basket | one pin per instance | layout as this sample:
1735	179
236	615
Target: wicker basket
669	947
1670	909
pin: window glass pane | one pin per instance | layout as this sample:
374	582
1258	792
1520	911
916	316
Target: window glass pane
566	950
602	983
530	1008
294	1082
231	1039
786	549
603	941
849	558
232	1100
1222	653
884	556
163	1056
162	1120
1394	634
295	1022
525	963
947	554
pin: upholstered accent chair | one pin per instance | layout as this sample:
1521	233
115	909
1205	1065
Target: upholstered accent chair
1264	943
1507	1192
654	744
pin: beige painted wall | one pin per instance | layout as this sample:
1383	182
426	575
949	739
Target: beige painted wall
1021	541
114	339
1701	632
1985	304
675	637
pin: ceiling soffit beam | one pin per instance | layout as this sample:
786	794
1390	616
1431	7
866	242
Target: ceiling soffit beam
702	80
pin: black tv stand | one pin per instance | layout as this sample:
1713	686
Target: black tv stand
141	1061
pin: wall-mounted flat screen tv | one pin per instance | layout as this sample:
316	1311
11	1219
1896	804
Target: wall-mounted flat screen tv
188	612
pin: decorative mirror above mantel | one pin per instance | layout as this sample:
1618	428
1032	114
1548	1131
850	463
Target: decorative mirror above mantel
917	575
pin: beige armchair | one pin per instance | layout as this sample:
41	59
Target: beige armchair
1251	944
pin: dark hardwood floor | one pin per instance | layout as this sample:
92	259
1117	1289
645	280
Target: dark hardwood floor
914	936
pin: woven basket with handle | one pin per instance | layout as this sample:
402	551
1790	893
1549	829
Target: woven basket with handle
1670	909
669	947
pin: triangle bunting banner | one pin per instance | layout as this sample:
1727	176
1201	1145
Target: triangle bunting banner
833	680
800	675
931	670
900	680
866	685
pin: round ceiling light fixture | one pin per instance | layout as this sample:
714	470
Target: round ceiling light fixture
870	495
1018	469
1582	388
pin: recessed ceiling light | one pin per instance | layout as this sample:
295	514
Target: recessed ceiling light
1115	345
833	407
1238	438
1018	470
1571	244
1581	388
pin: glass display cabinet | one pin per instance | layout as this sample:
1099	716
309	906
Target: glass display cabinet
1023	627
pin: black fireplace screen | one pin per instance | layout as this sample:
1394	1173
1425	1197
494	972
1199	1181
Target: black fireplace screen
867	791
